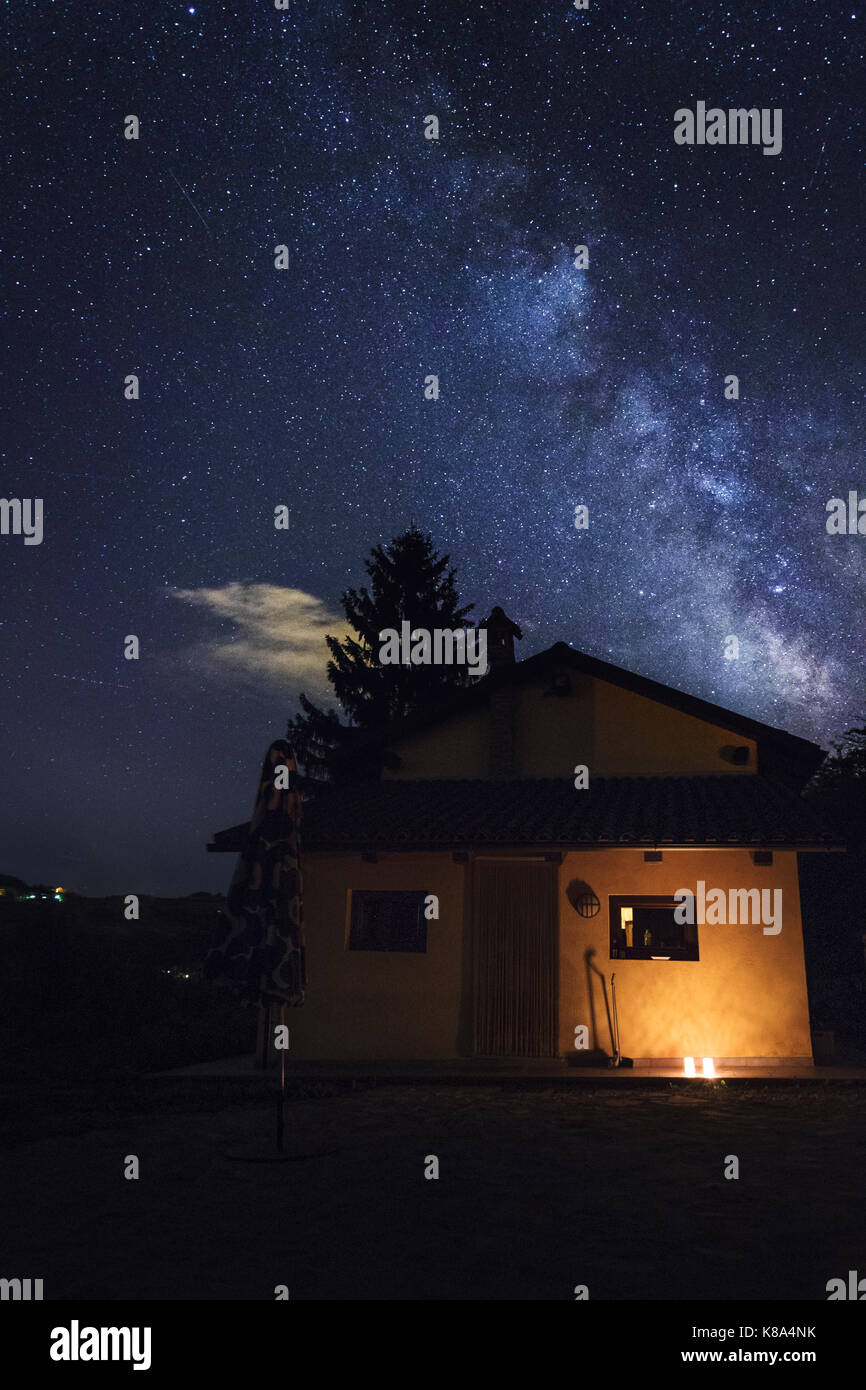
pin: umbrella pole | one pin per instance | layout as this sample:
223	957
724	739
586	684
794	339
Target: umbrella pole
262	1035
282	1093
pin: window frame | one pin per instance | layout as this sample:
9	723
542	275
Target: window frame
360	895
616	901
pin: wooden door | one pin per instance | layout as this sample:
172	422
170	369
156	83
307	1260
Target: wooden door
515	949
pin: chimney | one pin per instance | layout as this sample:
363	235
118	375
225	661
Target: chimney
501	632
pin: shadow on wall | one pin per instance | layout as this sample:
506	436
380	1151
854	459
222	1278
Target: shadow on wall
596	1056
586	904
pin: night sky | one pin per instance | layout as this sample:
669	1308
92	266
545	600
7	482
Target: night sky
304	387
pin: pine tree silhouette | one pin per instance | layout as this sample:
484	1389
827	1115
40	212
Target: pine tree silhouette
409	581
838	788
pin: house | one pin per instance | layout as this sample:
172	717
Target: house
558	821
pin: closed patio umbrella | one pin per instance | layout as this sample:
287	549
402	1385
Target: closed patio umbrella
260	951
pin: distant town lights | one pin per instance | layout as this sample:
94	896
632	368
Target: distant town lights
709	1067
689	1066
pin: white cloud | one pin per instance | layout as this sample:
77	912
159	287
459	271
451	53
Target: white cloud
277	636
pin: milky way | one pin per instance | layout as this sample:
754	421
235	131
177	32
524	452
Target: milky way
559	386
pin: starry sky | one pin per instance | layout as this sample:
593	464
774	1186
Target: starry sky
304	387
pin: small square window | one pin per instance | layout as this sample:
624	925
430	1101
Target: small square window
388	921
645	928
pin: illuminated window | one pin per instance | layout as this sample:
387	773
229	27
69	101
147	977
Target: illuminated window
388	921
645	928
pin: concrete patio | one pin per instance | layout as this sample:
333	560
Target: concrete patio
474	1070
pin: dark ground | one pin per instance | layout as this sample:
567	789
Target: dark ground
541	1188
621	1189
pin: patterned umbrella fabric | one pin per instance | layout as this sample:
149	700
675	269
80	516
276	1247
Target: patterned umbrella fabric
260	952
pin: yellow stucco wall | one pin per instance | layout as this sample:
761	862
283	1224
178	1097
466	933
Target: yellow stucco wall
635	737
745	997
456	747
377	1004
613	731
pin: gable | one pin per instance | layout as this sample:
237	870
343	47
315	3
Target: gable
455	747
635	736
615	731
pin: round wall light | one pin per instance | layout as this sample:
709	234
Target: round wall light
582	898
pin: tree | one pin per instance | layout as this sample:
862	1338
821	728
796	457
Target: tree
409	582
833	892
838	788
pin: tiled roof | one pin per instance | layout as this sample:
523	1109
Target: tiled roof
650	812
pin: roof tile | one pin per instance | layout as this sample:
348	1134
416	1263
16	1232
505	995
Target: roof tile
650	811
